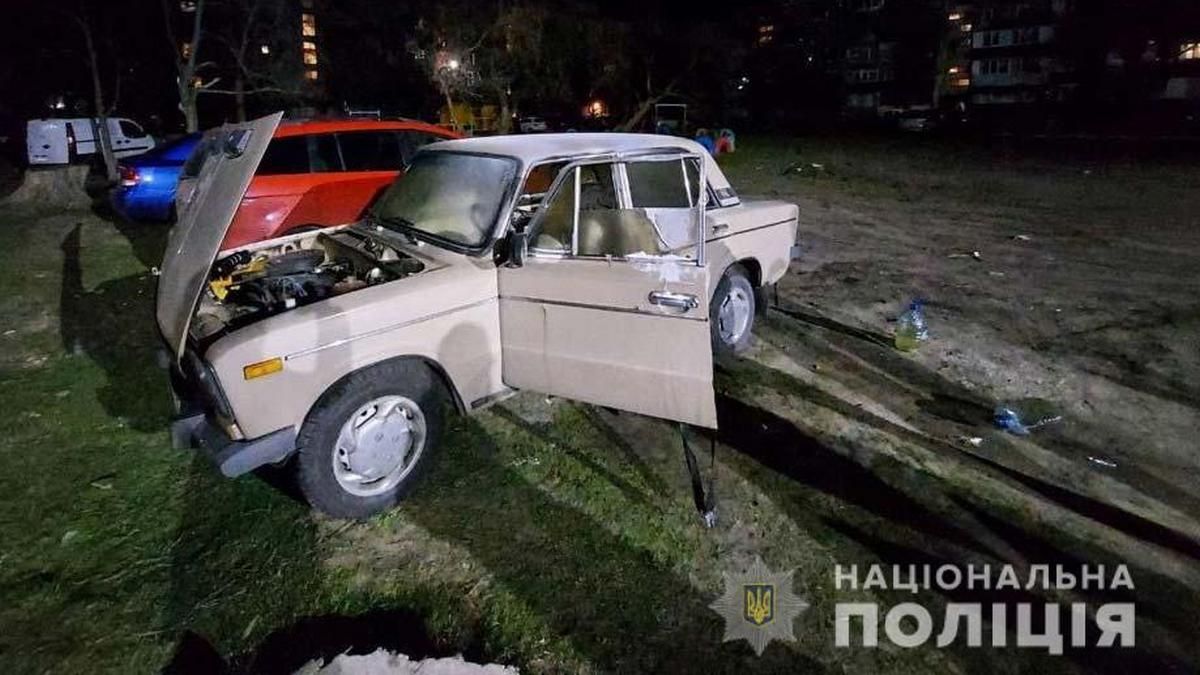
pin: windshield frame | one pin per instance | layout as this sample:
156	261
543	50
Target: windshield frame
502	209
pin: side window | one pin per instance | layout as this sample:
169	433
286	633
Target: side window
323	155
371	151
658	185
285	156
553	232
131	130
606	229
665	192
586	209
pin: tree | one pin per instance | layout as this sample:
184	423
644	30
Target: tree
247	23
188	83
496	55
102	112
254	23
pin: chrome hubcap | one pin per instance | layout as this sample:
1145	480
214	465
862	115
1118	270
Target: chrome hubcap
733	317
379	445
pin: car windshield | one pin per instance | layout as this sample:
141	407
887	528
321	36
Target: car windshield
450	196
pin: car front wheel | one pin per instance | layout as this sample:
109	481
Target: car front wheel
731	313
369	439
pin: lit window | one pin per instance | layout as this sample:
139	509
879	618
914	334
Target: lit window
308	24
766	33
954	17
310	58
311	74
185	49
309	46
265	49
1189	51
953	70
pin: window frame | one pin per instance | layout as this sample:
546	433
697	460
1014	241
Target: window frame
618	164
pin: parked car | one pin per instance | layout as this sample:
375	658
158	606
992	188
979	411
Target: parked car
62	141
531	125
605	268
149	181
319	173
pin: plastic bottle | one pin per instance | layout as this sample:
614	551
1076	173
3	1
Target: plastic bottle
911	328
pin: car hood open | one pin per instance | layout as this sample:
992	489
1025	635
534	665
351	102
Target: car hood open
231	156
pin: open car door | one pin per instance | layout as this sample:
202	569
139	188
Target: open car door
610	304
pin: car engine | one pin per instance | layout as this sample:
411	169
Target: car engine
251	285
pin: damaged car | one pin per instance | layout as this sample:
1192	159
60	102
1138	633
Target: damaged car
603	268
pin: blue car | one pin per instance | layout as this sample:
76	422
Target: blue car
148	181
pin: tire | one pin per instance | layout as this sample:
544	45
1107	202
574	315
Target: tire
400	393
735	288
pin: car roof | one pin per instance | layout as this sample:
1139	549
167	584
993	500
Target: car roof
304	127
534	148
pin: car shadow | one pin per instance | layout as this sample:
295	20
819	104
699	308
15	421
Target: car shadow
147	239
619	607
114	325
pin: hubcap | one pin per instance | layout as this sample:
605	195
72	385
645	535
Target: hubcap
733	317
379	445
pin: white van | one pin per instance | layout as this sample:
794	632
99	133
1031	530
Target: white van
61	141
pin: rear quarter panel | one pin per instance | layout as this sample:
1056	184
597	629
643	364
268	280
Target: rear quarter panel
762	231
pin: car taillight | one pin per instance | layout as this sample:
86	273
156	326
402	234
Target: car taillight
129	176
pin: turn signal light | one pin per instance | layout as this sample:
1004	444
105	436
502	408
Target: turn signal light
262	368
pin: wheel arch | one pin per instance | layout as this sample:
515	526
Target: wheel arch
753	270
439	372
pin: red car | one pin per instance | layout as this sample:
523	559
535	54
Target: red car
323	173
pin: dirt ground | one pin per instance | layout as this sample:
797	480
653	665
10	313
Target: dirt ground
561	538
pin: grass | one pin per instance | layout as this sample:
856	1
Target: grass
550	535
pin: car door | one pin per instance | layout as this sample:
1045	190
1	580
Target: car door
128	138
603	309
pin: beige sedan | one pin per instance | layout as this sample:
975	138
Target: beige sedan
605	268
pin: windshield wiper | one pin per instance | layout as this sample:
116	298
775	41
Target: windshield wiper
395	223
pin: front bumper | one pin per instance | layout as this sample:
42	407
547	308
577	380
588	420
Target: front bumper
194	427
233	458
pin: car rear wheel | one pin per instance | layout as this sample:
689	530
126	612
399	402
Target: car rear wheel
369	439
731	313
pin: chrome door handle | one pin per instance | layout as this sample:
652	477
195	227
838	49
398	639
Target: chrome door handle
681	301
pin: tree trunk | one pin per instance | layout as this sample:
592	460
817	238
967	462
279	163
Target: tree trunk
449	105
102	133
636	119
239	95
187	104
504	124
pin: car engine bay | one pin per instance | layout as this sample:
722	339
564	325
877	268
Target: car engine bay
250	285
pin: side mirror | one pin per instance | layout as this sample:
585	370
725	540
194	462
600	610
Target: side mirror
518	246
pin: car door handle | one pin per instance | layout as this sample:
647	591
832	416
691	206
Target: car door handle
681	301
720	227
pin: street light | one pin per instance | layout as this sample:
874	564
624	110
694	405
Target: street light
453	64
